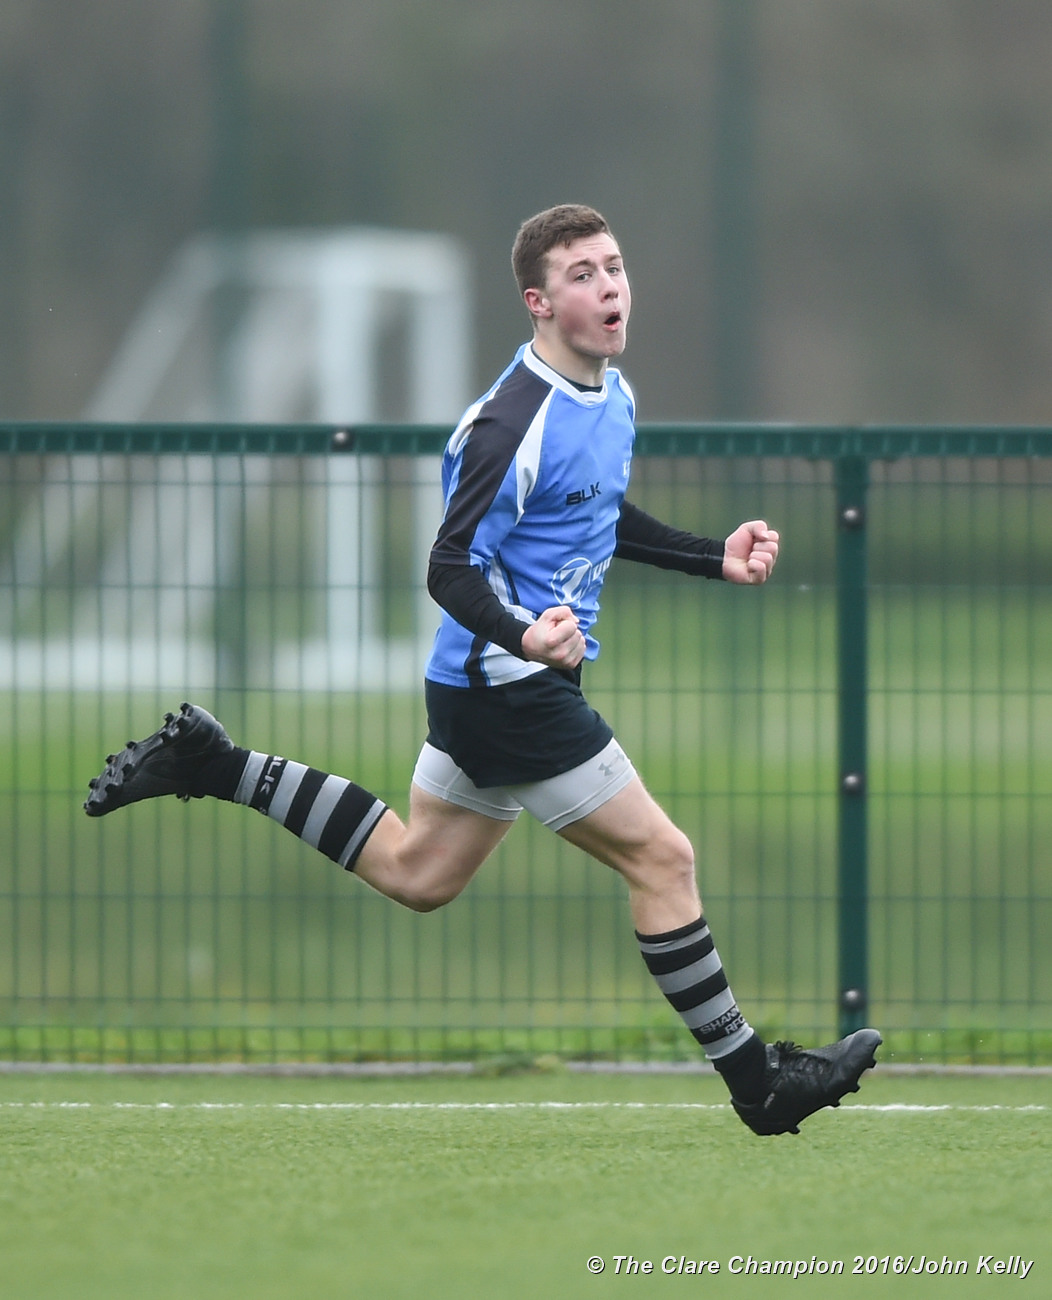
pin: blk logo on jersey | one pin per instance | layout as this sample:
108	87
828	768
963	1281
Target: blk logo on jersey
582	495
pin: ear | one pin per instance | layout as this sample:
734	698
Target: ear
537	304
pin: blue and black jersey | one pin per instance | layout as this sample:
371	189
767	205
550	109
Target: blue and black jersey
534	477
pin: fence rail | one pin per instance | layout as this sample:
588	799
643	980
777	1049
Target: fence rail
861	751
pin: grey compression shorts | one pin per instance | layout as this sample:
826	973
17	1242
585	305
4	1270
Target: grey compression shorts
556	802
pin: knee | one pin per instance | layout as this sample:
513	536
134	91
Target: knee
424	893
676	854
667	861
424	901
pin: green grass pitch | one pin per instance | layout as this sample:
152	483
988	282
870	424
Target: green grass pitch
234	1186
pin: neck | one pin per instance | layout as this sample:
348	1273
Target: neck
590	371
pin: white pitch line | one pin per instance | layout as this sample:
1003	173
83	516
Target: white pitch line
890	1108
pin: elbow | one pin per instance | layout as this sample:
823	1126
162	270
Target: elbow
434	581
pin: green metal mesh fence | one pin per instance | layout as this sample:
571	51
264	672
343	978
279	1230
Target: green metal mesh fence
861	751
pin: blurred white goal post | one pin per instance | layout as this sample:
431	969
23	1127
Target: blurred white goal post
339	326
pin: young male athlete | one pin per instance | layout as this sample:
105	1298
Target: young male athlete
534	477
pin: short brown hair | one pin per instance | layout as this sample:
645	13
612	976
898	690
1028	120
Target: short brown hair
540	234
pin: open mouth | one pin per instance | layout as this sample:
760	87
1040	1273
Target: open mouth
613	320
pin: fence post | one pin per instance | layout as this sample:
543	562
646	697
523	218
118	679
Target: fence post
852	480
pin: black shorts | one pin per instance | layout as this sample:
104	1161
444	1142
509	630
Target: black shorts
523	731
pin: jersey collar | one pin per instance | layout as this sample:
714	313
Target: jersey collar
587	397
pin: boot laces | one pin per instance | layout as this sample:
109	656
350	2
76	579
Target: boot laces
799	1063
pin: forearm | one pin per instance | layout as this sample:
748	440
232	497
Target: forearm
645	540
468	598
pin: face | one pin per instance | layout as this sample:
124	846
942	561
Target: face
582	311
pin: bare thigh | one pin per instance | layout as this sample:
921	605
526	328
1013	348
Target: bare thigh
427	861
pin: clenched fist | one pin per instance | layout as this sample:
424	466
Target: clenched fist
554	639
750	553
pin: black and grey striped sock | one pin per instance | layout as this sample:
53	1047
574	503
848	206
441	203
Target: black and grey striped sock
689	972
330	813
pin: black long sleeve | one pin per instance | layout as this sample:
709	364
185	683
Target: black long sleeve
466	596
644	539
